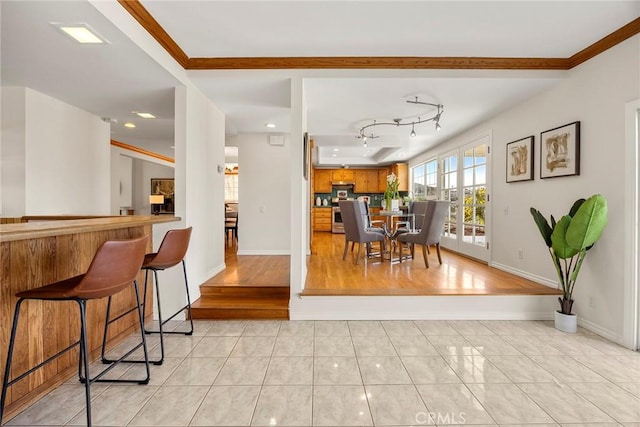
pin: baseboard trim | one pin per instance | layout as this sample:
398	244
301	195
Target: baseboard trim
215	270
603	332
263	252
525	275
512	307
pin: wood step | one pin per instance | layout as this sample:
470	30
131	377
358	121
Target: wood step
241	308
244	291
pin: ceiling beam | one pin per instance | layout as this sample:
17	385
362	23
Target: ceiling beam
380	62
607	42
148	22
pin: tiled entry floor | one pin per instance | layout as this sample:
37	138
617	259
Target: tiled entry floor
391	373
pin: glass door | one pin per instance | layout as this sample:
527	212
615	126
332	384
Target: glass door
464	179
473	238
449	192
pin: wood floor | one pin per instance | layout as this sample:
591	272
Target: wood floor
251	287
257	287
328	274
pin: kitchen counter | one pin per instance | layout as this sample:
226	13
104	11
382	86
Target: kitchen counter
47	250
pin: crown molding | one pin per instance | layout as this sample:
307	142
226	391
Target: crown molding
141	151
148	22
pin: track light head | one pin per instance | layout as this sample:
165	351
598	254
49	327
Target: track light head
413	131
438	127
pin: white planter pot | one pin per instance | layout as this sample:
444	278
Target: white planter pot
395	205
566	322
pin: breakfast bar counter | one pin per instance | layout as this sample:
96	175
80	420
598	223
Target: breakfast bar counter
45	250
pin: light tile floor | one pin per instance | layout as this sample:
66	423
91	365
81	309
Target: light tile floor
391	373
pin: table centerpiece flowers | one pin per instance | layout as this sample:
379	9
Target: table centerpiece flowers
391	194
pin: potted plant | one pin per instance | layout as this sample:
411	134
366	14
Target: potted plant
568	241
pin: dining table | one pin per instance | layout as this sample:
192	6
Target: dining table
396	223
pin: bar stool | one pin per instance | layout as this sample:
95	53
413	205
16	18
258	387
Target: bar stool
171	252
114	267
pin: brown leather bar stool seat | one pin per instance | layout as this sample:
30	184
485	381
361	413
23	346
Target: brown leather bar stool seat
171	252
114	267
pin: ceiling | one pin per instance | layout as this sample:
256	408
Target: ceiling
115	79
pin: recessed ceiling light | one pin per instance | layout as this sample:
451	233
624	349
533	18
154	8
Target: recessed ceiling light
336	149
82	33
144	115
333	155
129	125
270	125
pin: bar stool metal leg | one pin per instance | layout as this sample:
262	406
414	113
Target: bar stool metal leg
7	366
123	358
162	322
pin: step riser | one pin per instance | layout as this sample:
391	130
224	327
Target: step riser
221	314
227	291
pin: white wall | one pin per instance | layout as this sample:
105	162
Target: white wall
66	158
264	213
595	93
12	178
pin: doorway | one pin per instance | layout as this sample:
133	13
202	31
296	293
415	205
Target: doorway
632	244
464	182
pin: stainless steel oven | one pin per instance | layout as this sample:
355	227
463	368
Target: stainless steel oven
336	220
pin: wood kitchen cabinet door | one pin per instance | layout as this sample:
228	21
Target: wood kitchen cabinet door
402	172
322	182
382	180
361	181
345	175
372	181
366	181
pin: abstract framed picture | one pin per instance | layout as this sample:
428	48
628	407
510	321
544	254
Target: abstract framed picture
560	151
520	160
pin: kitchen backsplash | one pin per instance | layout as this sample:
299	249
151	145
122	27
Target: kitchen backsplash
375	198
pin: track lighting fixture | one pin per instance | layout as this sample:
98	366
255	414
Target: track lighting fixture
398	122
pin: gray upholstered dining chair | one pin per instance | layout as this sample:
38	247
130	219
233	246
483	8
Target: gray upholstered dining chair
430	232
353	218
418	210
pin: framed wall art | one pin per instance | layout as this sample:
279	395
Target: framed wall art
520	160
306	152
163	187
560	151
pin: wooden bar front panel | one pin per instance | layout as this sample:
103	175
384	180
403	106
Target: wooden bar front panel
46	327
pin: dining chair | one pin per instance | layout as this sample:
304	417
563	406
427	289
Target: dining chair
430	232
231	225
353	217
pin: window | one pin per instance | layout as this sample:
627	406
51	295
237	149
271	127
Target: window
231	185
425	180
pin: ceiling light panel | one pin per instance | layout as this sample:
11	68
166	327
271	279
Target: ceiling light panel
81	32
144	115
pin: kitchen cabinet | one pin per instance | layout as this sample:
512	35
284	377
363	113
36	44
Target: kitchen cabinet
345	175
401	170
322	219
322	180
382	179
366	181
